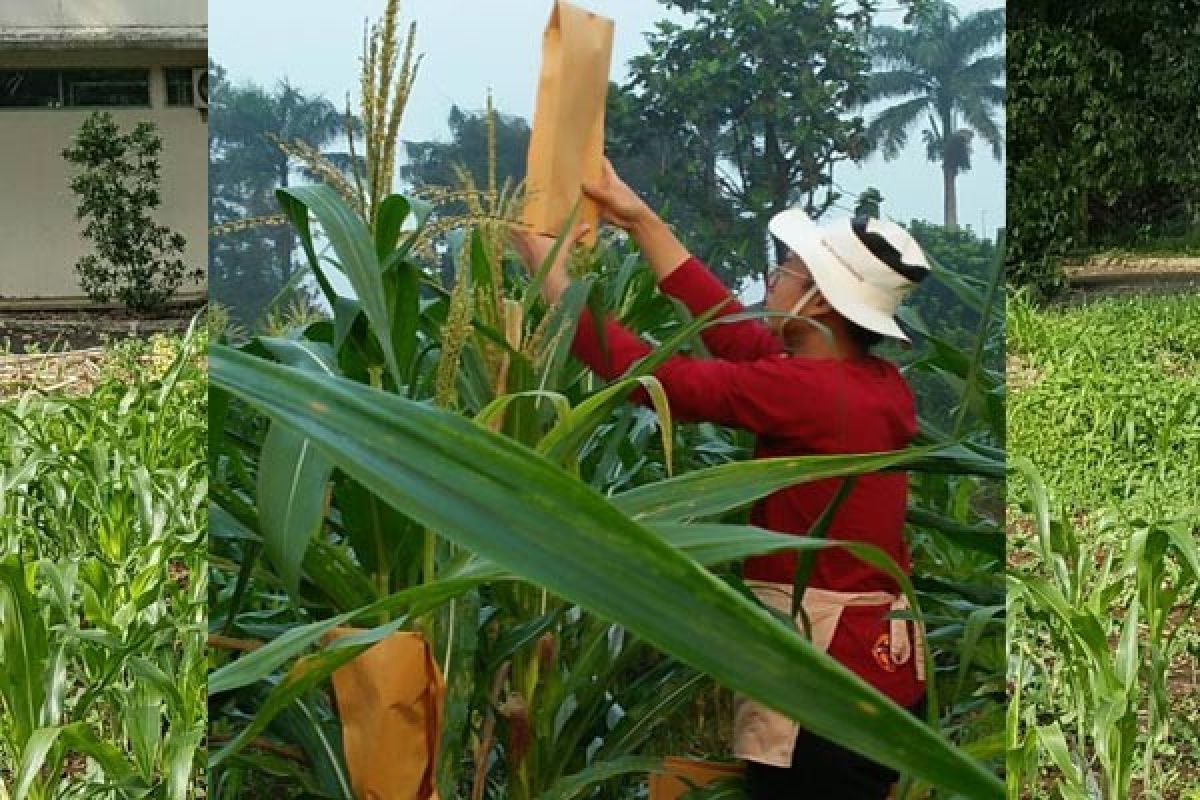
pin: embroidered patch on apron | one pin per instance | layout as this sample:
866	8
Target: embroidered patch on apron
882	650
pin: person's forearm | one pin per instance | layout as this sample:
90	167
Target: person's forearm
658	243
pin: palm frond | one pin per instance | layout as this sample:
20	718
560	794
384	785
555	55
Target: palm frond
895	83
980	117
978	31
891	47
888	131
983	70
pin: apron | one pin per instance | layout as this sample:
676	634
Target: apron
767	737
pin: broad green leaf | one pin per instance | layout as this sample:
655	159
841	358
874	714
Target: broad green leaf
36	749
389	221
292	476
572	786
351	241
505	502
708	492
23	645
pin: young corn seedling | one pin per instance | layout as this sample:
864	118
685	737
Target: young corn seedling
1088	676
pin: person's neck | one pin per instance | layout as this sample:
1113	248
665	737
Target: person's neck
831	341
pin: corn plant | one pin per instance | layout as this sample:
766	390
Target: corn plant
434	514
553	691
1087	677
102	584
1117	377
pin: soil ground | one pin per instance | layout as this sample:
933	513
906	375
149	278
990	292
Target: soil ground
63	351
45	331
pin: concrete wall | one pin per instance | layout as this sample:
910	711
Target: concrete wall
40	238
103	13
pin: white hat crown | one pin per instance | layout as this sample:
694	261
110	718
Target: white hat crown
863	266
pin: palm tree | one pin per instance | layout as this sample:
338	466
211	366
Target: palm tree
247	166
942	69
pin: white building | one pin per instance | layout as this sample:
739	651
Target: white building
59	61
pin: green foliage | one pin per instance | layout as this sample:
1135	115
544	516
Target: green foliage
1106	402
1098	625
1102	129
492	529
971	258
102	582
135	260
943	69
729	120
432	164
251	249
1120	379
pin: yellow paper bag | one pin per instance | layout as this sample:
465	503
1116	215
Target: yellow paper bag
671	784
567	144
390	700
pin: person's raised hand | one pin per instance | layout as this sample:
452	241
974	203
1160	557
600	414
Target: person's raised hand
616	202
534	248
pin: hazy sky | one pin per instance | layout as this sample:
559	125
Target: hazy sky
470	46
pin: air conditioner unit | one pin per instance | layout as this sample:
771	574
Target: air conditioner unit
200	87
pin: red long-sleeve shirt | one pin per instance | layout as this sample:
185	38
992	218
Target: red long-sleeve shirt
795	406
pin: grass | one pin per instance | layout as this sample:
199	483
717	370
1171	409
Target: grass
102	579
1105	402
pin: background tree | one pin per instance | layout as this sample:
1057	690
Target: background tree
944	72
742	115
248	267
135	259
432	163
1102	113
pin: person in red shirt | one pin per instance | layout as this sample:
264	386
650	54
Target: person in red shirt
805	383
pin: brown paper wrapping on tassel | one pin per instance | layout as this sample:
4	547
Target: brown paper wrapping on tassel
669	785
390	700
566	147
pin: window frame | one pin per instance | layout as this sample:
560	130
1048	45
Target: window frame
166	72
61	103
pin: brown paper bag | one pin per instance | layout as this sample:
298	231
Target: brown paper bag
567	144
390	700
670	785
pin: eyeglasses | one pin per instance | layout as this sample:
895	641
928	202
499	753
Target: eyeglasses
774	275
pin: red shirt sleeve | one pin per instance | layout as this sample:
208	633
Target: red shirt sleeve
697	288
740	394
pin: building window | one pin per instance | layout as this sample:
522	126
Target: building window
29	88
179	87
106	87
74	88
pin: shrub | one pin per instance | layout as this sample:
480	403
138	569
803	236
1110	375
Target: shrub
136	260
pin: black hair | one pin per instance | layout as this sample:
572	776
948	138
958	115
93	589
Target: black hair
862	337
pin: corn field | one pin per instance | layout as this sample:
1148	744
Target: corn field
102	581
430	459
425	458
1104	554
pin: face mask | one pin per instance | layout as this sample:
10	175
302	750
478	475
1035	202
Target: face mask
778	323
803	301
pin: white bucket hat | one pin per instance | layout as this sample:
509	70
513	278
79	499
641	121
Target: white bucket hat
864	267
